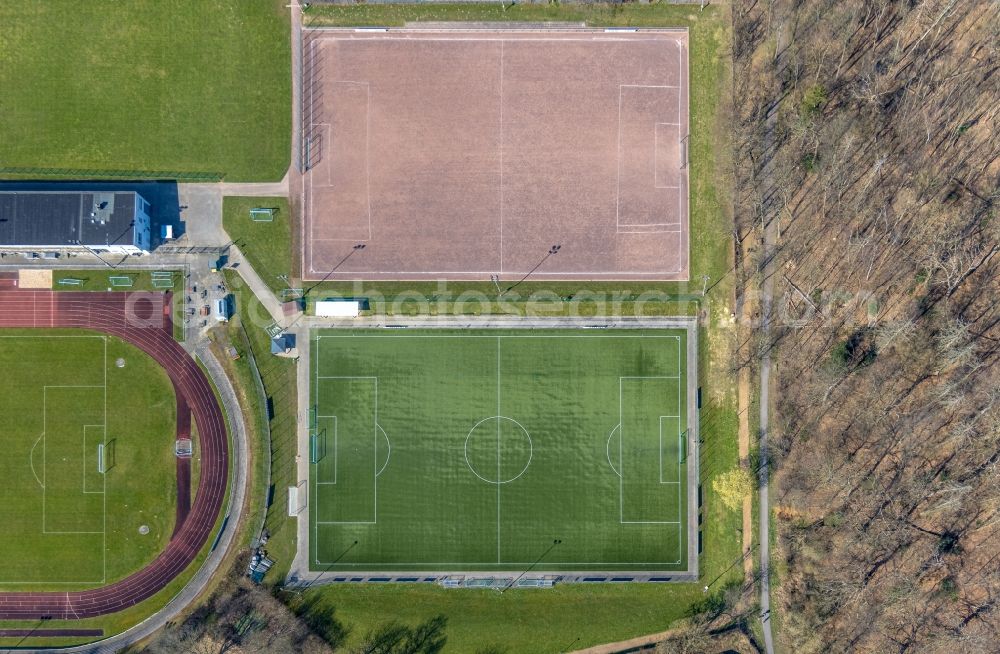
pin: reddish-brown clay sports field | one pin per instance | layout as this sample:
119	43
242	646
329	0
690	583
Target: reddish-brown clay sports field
142	319
463	154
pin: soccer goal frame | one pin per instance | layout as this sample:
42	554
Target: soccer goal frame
262	214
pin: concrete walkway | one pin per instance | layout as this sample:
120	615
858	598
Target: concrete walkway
264	295
201	208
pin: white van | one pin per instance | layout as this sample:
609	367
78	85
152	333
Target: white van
222	310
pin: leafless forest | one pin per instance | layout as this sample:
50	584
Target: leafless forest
883	177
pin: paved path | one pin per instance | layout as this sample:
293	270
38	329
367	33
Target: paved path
201	208
767	291
264	295
630	645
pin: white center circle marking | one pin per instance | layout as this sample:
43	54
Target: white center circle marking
486	476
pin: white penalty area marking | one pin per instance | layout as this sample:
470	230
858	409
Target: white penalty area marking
314	473
621	455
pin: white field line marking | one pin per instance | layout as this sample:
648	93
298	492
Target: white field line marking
416	566
336	453
31	460
103	439
621	458
531	451
618	165
388	36
499	412
315	474
621	439
608	449
680	486
656	160
680	166
388	452
501	164
309	172
359	336
41	439
499	338
661	451
575	275
45	389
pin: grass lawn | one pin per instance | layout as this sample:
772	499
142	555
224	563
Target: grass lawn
267	246
145	89
711	226
490	450
99	279
68	526
521	621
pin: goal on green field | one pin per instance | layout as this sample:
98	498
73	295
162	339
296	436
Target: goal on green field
121	282
317	446
101	466
262	214
162	279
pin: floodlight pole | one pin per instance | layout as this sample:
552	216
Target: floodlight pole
733	565
94	252
357	246
552	250
496	282
308	584
537	561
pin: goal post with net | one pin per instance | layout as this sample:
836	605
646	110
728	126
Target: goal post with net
262	214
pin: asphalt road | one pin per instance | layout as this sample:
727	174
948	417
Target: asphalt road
767	292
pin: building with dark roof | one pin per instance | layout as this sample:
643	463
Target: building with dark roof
113	221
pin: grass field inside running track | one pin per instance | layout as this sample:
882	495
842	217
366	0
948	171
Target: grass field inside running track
495	450
67	525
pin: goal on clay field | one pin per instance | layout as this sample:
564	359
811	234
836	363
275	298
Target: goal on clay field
262	214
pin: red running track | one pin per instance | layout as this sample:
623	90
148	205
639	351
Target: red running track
142	319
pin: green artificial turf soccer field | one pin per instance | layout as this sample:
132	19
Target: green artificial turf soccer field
495	450
66	525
